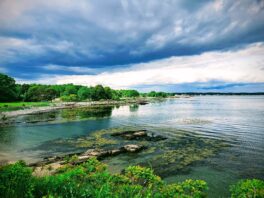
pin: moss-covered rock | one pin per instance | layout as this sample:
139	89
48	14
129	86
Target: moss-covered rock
169	156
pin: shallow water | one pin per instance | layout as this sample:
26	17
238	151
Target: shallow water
237	120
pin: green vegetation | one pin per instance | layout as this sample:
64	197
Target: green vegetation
128	93
248	189
158	94
93	179
16	181
10	91
11	106
178	154
164	157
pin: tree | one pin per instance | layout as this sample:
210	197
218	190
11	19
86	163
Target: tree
157	94
84	93
129	93
69	98
49	93
8	91
115	95
98	93
70	89
37	93
133	93
152	94
34	93
22	90
108	93
59	89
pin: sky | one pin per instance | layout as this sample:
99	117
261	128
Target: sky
169	45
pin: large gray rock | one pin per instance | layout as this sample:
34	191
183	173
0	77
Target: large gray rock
82	157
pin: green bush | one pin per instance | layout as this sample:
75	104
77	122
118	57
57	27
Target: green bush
142	176
68	184
253	188
16	181
69	98
92	179
188	188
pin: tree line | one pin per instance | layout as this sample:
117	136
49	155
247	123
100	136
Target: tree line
10	91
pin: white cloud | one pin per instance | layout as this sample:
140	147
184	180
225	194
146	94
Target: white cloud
244	65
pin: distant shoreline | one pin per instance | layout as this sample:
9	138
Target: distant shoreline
219	93
67	105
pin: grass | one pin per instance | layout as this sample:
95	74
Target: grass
12	106
93	179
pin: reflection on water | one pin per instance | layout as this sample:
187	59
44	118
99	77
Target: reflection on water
237	120
133	108
66	115
85	113
19	141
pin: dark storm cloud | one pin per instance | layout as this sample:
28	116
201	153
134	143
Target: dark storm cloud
104	34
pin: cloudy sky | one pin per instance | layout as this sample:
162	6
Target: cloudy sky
170	45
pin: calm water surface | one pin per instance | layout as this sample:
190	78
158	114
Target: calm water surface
239	120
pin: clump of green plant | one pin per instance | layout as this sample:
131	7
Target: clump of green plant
12	106
142	176
73	158
69	98
189	188
92	179
248	188
16	181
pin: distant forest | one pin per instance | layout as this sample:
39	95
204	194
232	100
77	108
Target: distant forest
10	91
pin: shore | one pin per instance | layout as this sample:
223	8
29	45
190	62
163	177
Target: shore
64	105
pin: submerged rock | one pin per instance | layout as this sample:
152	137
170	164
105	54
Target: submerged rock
131	135
82	157
139	135
101	154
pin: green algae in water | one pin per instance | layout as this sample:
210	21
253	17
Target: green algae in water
172	156
97	139
218	181
185	152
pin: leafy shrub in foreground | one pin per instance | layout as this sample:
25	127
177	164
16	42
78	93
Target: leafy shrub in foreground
92	179
188	188
248	189
142	176
16	181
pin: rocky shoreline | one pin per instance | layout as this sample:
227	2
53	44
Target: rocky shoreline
50	165
133	146
5	116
